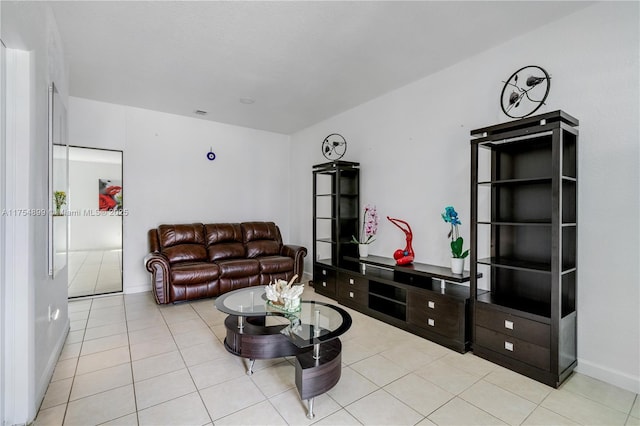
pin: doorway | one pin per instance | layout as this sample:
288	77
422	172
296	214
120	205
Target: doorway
95	221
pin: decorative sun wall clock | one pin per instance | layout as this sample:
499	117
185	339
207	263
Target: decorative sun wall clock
334	146
525	91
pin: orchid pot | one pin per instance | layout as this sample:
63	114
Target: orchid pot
457	265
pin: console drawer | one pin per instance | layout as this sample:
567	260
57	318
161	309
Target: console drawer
352	289
436	313
513	347
512	325
324	280
347	293
353	281
434	303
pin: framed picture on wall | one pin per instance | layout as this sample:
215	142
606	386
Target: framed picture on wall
109	195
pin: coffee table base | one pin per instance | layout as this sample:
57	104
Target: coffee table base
258	341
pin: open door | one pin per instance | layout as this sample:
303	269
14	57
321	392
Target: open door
96	207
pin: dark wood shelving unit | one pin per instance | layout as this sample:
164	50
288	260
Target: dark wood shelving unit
523	200
427	300
336	208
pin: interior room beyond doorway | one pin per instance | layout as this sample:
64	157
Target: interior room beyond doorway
95	222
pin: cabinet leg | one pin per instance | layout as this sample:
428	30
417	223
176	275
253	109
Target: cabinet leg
250	369
310	414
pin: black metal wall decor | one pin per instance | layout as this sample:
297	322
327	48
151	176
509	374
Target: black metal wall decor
334	146
525	91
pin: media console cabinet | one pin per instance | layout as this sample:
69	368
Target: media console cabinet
425	300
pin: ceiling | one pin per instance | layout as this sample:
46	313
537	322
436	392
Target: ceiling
299	61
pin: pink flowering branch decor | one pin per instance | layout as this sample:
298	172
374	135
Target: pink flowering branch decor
369	226
369	230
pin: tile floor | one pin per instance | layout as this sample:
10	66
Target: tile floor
128	361
94	272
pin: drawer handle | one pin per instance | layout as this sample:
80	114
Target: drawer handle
351	294
350	280
508	324
508	346
431	322
324	283
324	272
431	304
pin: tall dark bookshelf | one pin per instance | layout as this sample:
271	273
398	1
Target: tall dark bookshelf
336	208
524	226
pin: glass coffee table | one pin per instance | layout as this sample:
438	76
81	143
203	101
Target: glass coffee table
311	335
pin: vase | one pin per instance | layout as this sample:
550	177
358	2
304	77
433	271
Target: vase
291	304
363	250
457	265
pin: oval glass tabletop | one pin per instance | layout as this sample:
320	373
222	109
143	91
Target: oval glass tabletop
315	322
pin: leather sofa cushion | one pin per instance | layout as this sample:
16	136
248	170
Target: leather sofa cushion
182	243
262	248
226	251
261	239
224	241
185	253
238	268
194	272
172	235
275	264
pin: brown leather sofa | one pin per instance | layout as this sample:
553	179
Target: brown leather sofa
193	261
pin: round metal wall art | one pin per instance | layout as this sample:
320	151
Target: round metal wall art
334	147
525	91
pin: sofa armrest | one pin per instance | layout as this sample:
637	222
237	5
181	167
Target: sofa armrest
297	253
153	240
160	269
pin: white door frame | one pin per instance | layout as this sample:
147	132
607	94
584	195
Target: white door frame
17	290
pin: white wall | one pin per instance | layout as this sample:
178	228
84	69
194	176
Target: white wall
92	231
413	146
168	178
33	342
3	205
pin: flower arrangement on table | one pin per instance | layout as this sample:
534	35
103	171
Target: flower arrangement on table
284	295
369	226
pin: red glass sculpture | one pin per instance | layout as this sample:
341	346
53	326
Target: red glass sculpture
406	256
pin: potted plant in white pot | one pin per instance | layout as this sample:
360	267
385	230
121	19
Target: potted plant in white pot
450	216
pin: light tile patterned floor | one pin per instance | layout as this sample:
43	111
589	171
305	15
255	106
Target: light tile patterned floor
128	361
94	272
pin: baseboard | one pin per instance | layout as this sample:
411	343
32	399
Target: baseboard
614	377
47	374
306	276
